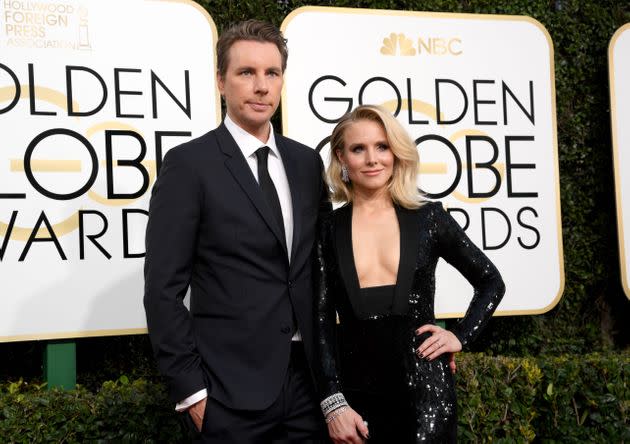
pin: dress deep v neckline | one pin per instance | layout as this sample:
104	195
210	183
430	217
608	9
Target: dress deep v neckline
354	262
409	240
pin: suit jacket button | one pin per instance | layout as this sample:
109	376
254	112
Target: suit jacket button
285	330
290	284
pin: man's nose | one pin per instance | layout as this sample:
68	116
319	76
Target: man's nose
261	85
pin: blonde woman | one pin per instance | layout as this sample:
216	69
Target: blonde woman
383	377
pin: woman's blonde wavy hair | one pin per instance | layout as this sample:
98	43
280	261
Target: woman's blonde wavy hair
403	183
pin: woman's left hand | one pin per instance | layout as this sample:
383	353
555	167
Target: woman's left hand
441	341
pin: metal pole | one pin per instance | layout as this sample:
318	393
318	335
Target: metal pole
60	364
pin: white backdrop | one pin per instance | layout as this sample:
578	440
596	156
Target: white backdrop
619	71
486	81
134	72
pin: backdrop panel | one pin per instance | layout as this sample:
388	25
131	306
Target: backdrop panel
92	94
477	94
619	72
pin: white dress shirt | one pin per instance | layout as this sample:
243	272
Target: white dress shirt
248	145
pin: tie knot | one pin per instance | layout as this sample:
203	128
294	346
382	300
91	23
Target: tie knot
262	154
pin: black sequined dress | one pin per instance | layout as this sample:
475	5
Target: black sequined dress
370	355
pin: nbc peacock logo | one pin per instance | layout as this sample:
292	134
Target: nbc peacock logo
400	41
398	44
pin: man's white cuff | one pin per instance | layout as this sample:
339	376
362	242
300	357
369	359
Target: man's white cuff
191	400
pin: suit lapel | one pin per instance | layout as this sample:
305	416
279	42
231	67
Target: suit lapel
345	259
291	169
242	173
409	241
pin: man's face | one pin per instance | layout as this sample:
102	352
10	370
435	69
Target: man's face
252	84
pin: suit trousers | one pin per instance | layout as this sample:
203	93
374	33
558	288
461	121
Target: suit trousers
294	417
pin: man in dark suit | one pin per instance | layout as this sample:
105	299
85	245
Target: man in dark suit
233	215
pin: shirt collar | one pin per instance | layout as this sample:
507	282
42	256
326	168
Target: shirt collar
248	143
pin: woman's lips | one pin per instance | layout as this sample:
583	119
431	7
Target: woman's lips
372	172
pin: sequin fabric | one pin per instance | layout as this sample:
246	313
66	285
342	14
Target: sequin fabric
373	355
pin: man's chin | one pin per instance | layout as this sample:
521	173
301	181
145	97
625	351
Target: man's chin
257	124
259	120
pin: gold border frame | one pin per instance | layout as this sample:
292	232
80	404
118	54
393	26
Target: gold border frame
449	15
72	335
130	331
616	161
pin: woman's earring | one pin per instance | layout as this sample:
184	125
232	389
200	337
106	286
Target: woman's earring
344	174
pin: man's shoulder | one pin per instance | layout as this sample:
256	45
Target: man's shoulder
193	148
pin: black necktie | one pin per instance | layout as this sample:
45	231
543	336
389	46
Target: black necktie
268	189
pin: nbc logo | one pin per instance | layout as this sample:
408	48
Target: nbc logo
405	45
435	46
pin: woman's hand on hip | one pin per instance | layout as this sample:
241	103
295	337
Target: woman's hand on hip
347	427
441	341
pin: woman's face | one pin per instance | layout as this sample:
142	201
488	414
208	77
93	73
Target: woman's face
367	156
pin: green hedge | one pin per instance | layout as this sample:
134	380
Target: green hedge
121	411
571	398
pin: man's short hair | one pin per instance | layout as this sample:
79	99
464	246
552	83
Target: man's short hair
253	30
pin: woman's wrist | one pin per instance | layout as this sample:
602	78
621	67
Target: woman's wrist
333	403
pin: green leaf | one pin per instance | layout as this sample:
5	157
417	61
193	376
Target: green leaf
550	389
